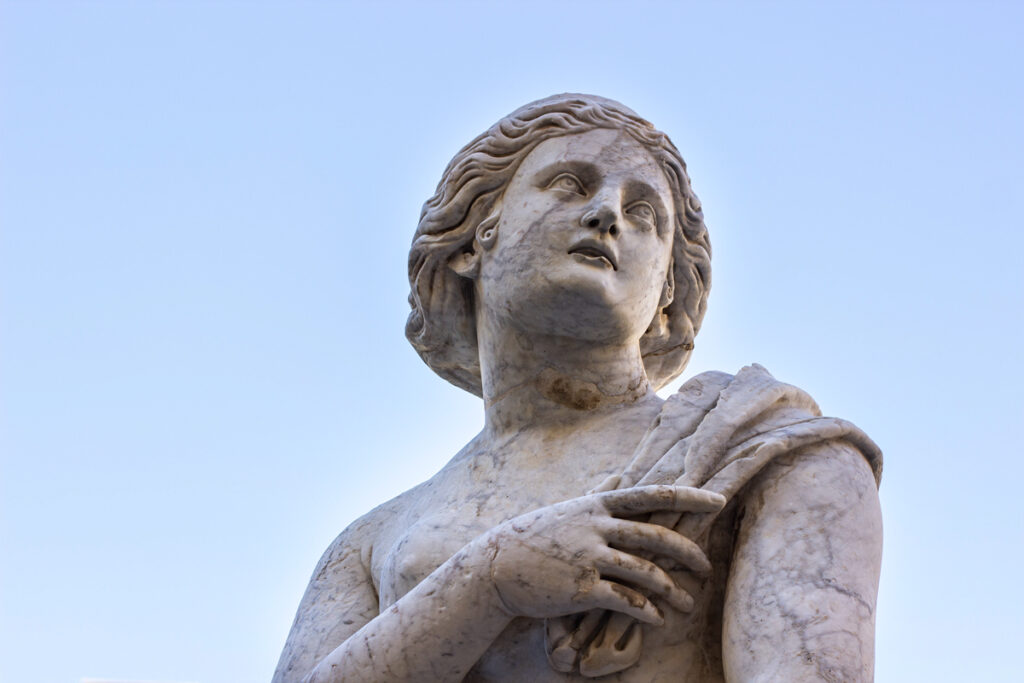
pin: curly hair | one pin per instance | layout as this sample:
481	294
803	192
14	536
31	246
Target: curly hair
442	325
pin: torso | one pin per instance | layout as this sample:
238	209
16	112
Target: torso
485	485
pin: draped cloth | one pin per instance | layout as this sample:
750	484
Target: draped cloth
716	433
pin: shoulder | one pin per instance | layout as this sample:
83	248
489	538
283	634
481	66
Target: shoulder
371	531
376	531
783	418
341	595
703	390
828	473
810	461
769	437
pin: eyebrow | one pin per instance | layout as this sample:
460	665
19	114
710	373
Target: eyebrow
590	172
585	170
646	191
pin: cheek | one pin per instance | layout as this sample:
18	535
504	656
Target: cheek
517	223
652	259
648	285
533	228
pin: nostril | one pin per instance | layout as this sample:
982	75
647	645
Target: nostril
613	231
593	223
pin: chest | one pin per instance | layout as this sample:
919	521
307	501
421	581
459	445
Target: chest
465	501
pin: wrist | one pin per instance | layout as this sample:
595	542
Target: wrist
475	564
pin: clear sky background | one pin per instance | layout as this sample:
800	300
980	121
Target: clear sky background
205	212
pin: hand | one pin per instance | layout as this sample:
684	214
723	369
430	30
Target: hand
581	554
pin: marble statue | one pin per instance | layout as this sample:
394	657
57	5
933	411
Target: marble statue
592	529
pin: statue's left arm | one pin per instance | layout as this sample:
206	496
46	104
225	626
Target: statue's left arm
800	602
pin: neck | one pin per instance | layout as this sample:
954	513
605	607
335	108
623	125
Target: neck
533	381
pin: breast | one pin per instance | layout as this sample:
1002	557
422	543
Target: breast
450	513
423	547
686	649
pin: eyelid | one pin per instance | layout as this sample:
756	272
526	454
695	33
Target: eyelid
654	214
565	174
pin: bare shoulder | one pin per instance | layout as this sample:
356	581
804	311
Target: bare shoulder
801	598
341	596
345	565
832	477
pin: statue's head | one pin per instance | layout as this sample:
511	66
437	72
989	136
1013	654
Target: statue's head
461	220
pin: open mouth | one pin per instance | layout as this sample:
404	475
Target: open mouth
594	254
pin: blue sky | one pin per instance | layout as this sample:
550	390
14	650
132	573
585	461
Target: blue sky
205	212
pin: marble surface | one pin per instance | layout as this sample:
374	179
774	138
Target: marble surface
592	530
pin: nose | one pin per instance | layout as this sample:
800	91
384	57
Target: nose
601	216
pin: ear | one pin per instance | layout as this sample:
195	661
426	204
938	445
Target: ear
467	263
487	231
668	292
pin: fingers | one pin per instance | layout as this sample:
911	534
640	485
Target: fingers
643	574
643	499
658	541
561	636
669	468
665	519
617	647
644	457
609	484
619	598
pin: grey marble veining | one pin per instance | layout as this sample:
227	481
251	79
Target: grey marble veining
592	530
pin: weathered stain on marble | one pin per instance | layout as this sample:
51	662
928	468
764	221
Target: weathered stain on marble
593	530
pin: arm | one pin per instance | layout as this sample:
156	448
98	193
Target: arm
800	602
341	601
340	598
435	632
553	561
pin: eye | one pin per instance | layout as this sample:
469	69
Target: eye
644	212
567	182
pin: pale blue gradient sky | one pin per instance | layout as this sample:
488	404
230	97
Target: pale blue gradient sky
205	211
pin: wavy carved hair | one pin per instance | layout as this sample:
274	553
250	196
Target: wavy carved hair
442	325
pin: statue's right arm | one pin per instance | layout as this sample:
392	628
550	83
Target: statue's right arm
435	632
553	561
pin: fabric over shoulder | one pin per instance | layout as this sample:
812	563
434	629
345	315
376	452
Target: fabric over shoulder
716	433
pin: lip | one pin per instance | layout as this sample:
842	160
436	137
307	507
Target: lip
593	250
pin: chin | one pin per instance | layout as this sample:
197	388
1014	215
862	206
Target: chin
581	308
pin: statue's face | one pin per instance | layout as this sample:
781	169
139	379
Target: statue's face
584	241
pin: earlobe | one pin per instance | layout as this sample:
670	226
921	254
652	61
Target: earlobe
659	326
668	291
466	264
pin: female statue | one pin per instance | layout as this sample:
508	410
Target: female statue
591	529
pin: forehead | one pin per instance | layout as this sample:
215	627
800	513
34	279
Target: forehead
612	152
